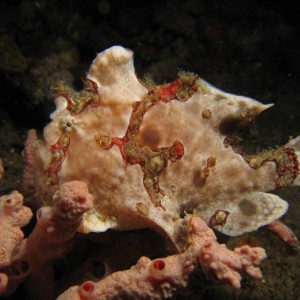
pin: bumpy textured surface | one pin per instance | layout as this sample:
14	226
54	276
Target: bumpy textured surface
162	278
122	154
50	239
13	216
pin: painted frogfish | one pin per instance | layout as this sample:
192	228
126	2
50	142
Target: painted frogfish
152	154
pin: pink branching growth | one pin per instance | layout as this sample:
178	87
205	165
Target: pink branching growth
284	233
53	233
164	277
13	216
56	226
223	265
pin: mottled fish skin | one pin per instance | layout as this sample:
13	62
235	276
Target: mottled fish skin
151	154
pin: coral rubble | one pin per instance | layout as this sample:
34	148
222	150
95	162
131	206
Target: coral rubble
124	155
